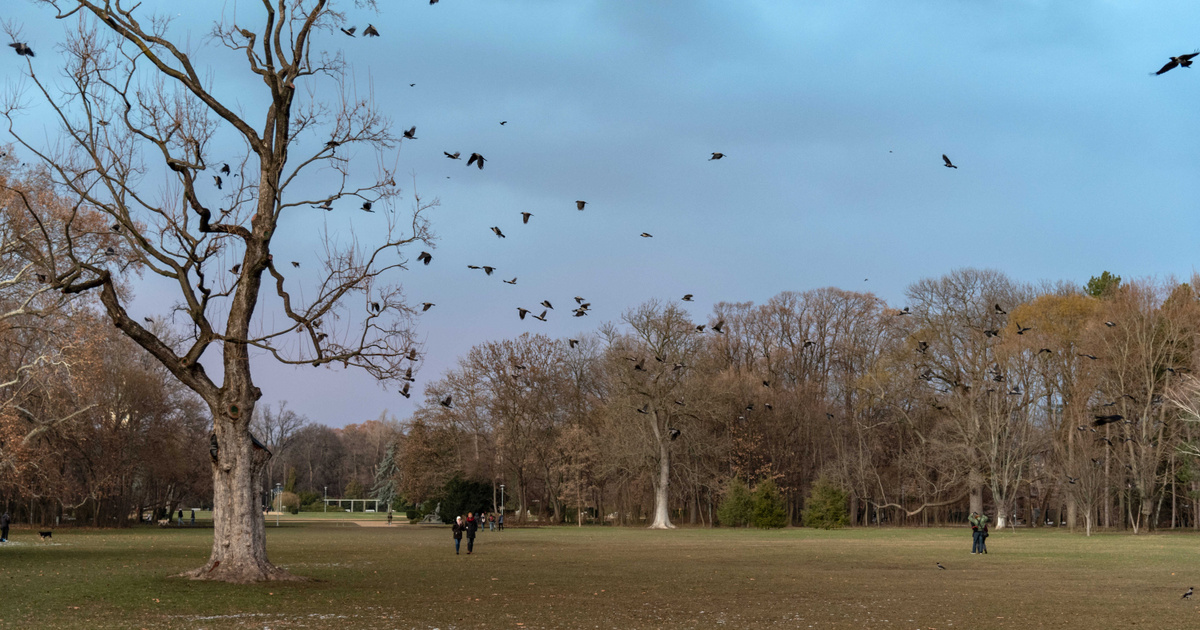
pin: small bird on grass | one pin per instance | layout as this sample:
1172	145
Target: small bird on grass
939	565
1188	594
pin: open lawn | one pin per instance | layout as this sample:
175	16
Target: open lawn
407	576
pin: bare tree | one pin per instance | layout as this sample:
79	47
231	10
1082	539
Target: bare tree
136	105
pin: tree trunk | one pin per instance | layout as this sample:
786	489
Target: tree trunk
975	479
239	551
1072	513
662	517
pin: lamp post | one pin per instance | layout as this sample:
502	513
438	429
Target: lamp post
278	502
326	499
502	501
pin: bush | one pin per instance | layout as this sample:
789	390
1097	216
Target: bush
737	508
826	506
290	501
769	508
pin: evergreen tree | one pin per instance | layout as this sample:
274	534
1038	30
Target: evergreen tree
769	510
737	508
387	476
826	506
1103	285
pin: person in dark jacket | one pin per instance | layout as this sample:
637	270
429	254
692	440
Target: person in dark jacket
4	521
472	526
457	528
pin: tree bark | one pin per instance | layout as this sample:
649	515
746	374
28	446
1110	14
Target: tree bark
662	517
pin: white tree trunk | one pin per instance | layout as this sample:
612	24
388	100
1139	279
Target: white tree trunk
662	517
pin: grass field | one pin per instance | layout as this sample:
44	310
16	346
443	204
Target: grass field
408	577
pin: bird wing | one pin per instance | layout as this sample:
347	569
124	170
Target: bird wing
1170	64
1188	57
946	160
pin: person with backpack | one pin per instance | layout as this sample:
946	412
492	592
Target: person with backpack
979	532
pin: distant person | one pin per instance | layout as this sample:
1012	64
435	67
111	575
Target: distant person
491	522
457	528
500	521
5	519
979	532
472	526
180	518
389	517
193	517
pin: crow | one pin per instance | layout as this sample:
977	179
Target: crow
716	156
404	391
370	31
349	31
513	281
939	565
453	156
1188	594
580	204
475	159
687	297
949	164
425	257
22	49
498	233
425	306
411	133
447	402
1109	419
217	179
673	433
525	217
1182	61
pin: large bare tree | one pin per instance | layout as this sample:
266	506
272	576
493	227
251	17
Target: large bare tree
135	105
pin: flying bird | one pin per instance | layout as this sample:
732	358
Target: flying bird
580	204
503	122
1022	330
571	343
236	268
488	270
513	281
412	354
498	233
411	133
295	264
1103	420
217	179
1000	311
547	304
370	31
326	206
22	49
949	164
522	312
425	257
1072	480
542	317
647	235
717	326
673	433
447	402
475	159
225	169
687	297
425	306
922	346
1182	61
404	391
645	409
1087	356
525	217
408	375
716	156
453	156
350	31
367	206
1110	324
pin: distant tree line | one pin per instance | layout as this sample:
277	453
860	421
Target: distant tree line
1047	404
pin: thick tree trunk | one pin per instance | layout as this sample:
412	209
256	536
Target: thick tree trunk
1072	512
662	517
239	551
975	479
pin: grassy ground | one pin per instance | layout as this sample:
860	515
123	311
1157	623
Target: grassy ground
408	577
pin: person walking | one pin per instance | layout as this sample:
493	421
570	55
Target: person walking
457	528
5	519
179	521
193	517
491	522
389	516
979	532
472	526
500	521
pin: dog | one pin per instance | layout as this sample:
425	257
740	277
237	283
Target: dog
45	535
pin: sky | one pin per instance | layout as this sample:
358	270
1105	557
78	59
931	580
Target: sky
1073	158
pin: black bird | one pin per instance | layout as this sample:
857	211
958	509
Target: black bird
370	31
645	408
580	204
1109	419
332	144
1182	61
1045	351
224	169
295	264
1188	594
498	233
1022	330
991	333
700	328
547	304
404	391
571	343
716	156
647	235
922	346
488	270
217	179
425	257
326	206
766	383
411	133
1087	356
408	375
453	156
525	217
236	268
939	565
350	31
542	317
522	312
446	402
1071	479
376	307
673	433
503	122
1000	311
22	49
640	366
412	354
367	206
904	311
949	164
513	281
1110	324
475	159
717	326
116	227
687	297
425	306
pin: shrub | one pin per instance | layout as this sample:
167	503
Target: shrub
769	508
826	506
289	501
736	508
354	490
460	496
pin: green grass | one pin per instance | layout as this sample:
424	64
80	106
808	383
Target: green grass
408	577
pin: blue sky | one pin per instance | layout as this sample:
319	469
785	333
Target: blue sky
833	116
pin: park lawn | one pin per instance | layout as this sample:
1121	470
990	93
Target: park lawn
407	576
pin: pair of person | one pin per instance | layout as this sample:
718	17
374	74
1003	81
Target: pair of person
979	532
469	526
